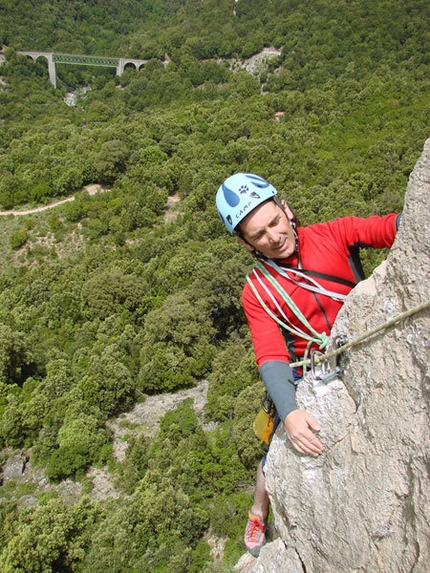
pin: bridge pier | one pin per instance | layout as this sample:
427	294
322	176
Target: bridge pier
120	67
124	61
52	70
51	64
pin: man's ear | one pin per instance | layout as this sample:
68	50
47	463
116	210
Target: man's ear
247	245
288	211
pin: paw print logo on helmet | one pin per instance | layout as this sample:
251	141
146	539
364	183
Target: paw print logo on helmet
239	195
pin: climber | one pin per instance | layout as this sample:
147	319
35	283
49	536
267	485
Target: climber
291	298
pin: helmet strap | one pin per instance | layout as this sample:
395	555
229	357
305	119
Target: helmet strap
293	223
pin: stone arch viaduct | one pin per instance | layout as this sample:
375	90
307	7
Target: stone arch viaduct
105	61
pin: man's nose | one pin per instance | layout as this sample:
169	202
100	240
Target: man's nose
274	237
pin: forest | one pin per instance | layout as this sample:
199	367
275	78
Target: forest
135	291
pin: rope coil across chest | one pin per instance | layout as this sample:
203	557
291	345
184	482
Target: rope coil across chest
321	339
312	335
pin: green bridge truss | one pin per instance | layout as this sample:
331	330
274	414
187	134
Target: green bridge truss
86	60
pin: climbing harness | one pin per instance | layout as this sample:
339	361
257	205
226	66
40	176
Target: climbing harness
320	361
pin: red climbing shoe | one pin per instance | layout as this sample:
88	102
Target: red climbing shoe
255	534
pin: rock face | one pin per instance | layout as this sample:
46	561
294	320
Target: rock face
13	468
364	504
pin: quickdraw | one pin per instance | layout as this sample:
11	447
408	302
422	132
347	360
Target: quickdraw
320	362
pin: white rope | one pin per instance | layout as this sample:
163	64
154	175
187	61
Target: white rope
315	287
321	339
275	302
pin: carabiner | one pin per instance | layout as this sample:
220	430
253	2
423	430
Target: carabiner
267	403
320	367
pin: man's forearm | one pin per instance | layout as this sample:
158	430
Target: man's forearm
279	380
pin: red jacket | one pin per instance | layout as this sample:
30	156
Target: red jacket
330	248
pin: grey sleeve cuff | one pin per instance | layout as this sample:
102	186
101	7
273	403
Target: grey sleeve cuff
399	216
279	381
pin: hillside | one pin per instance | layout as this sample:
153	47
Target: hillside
116	297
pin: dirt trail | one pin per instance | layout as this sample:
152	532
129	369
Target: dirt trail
37	209
91	189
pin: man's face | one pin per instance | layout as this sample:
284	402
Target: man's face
268	229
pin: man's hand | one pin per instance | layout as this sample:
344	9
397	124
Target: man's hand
300	427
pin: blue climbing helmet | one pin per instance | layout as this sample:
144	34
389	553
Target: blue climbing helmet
240	194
